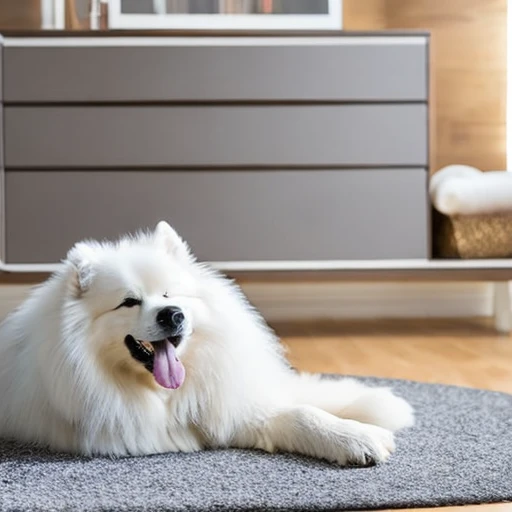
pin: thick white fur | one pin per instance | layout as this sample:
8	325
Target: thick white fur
68	381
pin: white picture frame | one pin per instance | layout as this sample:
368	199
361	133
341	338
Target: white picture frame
331	21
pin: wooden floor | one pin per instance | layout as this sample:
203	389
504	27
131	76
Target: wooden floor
462	352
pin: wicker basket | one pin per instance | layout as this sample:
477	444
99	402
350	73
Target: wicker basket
473	236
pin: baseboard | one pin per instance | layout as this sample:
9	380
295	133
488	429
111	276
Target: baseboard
292	301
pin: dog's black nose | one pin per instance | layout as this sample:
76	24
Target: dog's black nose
171	316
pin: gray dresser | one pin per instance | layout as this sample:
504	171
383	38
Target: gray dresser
256	148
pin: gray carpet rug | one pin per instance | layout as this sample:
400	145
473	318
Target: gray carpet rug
460	452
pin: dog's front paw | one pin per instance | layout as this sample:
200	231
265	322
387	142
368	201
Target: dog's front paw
314	432
369	446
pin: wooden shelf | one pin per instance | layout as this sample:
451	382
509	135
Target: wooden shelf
378	270
347	270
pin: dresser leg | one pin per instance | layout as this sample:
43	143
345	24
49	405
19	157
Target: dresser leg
502	307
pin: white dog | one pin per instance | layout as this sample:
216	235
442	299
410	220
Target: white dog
135	348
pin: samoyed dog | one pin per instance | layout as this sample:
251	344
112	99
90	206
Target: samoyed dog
135	348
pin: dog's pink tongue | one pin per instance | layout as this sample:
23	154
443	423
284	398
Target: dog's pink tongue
168	370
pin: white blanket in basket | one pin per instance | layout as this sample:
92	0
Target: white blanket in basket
465	190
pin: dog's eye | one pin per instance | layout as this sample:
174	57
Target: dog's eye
166	295
129	302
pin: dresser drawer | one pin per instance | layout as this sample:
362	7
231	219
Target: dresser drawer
350	68
122	136
225	215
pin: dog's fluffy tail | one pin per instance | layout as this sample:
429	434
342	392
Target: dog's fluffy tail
350	399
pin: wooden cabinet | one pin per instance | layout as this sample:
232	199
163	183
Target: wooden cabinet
262	149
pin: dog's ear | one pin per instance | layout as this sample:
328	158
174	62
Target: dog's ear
166	237
81	260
